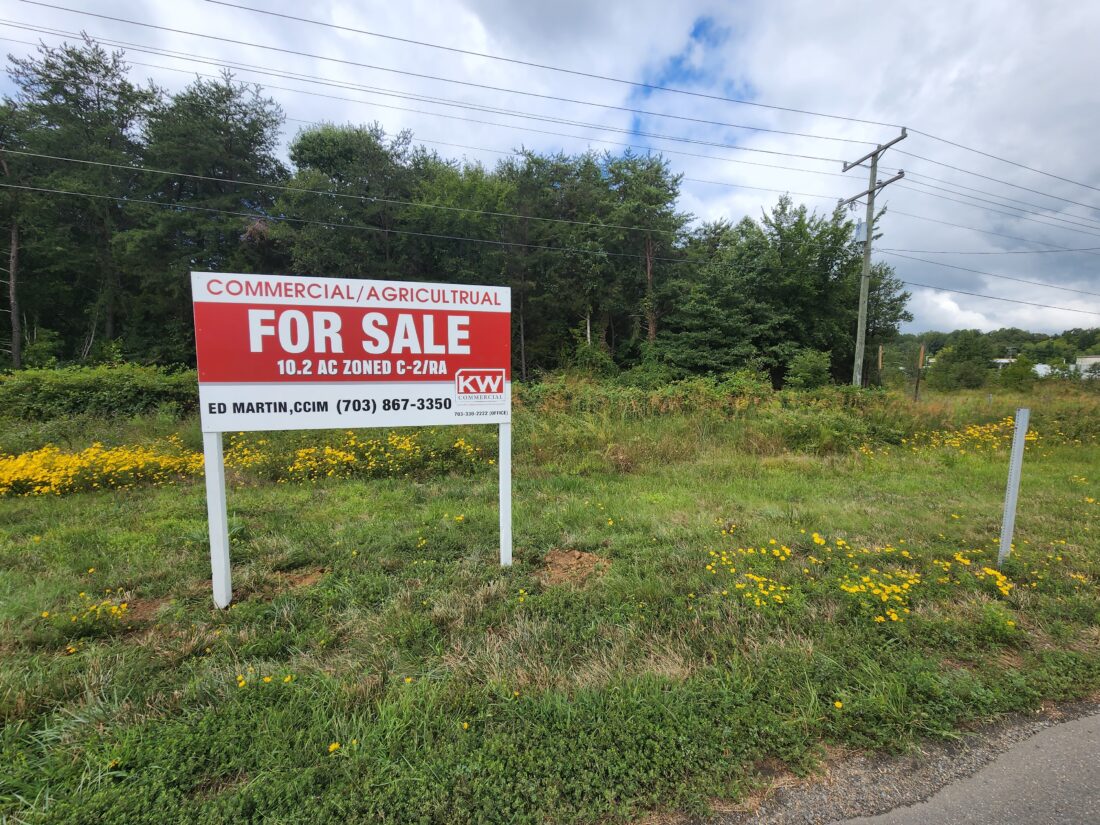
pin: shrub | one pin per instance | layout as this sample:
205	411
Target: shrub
593	360
808	370
124	390
1019	375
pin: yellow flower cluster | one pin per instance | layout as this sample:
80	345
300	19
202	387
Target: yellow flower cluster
111	610
982	573
399	454
242	679
999	579
882	591
761	591
974	438
49	471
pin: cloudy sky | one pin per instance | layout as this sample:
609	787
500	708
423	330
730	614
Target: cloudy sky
1011	78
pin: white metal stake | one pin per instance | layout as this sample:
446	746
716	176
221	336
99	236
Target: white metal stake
1012	492
218	519
504	461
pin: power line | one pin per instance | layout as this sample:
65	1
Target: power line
609	143
638	84
997	252
482	108
380	230
576	73
997	298
1089	225
139	47
991	274
513	126
407	73
330	225
326	193
999	211
407	96
958	185
1005	160
954	225
762	189
993	179
442	101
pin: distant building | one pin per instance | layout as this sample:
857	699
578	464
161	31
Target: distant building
1088	364
1042	370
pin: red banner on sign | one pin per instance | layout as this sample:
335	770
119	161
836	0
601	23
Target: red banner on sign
263	343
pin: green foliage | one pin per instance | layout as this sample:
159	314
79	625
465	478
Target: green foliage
461	692
592	360
108	391
1019	375
808	370
589	238
964	364
43	349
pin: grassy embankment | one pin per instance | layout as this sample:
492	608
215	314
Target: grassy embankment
379	666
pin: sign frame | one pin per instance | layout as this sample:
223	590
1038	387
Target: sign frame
394	301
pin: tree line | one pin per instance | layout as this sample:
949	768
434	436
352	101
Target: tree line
606	271
970	358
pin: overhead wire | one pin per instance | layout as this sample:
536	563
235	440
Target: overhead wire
330	193
517	127
993	179
997	211
627	145
989	274
182	206
641	84
574	72
992	252
997	298
334	225
911	173
507	112
477	107
494	242
437	78
1089	224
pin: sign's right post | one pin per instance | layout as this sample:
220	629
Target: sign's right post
1012	491
504	461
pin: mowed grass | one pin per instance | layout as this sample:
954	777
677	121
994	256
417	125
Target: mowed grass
379	666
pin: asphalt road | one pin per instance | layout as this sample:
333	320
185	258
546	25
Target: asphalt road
1051	777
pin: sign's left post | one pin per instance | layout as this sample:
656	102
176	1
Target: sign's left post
218	517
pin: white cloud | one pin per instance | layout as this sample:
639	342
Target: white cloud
1017	84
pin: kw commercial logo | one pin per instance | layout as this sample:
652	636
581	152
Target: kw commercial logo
479	386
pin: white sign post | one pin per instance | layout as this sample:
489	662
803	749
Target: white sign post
299	353
1012	490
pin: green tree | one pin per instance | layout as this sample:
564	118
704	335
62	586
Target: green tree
809	369
963	364
1019	375
217	142
76	101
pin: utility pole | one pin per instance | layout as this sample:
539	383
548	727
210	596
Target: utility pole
873	186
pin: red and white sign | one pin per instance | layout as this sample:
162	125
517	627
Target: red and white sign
289	353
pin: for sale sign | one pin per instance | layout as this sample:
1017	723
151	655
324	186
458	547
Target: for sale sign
290	353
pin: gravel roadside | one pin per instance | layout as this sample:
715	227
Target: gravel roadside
857	784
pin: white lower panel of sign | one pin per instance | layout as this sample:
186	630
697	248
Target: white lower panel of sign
302	406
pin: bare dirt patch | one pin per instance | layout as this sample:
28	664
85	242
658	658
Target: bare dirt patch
144	610
572	567
302	578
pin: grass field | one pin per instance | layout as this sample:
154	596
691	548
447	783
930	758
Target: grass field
732	605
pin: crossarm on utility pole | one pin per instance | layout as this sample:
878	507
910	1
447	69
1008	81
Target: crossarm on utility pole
874	190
